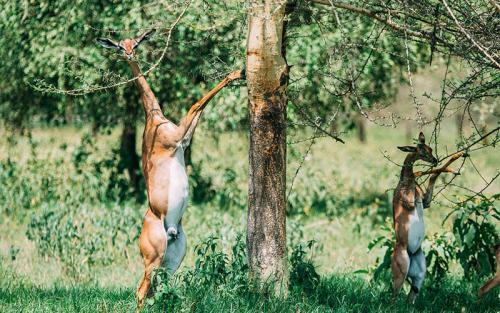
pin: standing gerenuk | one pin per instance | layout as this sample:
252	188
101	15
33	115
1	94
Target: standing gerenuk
409	202
162	241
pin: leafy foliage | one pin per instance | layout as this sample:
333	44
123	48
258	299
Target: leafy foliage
74	215
230	195
228	272
214	269
475	228
80	239
386	242
440	254
303	273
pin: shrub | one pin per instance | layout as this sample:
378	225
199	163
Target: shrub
39	183
303	274
213	269
80	237
230	195
475	230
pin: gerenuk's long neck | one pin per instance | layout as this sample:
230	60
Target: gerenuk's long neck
407	175
148	98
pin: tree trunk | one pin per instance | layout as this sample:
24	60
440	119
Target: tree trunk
129	158
361	127
267	80
484	131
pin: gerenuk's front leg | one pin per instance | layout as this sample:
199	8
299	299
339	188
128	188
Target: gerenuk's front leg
190	121
435	174
430	189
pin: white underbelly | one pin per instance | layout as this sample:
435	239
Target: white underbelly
178	191
416	228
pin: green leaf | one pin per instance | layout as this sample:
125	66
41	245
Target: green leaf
150	301
469	236
484	263
374	242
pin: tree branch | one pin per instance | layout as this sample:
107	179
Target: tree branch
472	144
443	169
368	13
482	49
91	89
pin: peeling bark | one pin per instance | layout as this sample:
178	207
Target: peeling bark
267	80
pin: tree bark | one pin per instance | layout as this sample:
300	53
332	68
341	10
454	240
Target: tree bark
129	158
267	80
360	122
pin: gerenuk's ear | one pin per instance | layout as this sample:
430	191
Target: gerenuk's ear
408	149
108	43
144	36
421	137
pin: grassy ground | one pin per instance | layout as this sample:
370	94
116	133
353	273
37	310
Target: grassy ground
357	174
339	293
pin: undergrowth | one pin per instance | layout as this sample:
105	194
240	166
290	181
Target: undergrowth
218	283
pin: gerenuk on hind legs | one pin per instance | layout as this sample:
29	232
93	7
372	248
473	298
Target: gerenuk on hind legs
409	202
162	241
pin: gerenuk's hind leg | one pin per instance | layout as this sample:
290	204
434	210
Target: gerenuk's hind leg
400	264
176	250
152	244
417	274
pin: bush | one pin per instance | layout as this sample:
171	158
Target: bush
475	230
230	195
40	183
303	274
213	269
80	237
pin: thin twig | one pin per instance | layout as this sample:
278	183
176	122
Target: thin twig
82	91
386	21
420	120
313	140
472	144
483	50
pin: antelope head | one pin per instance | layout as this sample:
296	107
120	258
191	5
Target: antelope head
421	151
125	46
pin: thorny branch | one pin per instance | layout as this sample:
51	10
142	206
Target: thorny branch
442	34
413	21
386	21
480	47
467	148
83	91
313	141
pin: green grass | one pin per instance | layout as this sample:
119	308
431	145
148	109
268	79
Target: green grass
339	293
340	199
66	299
